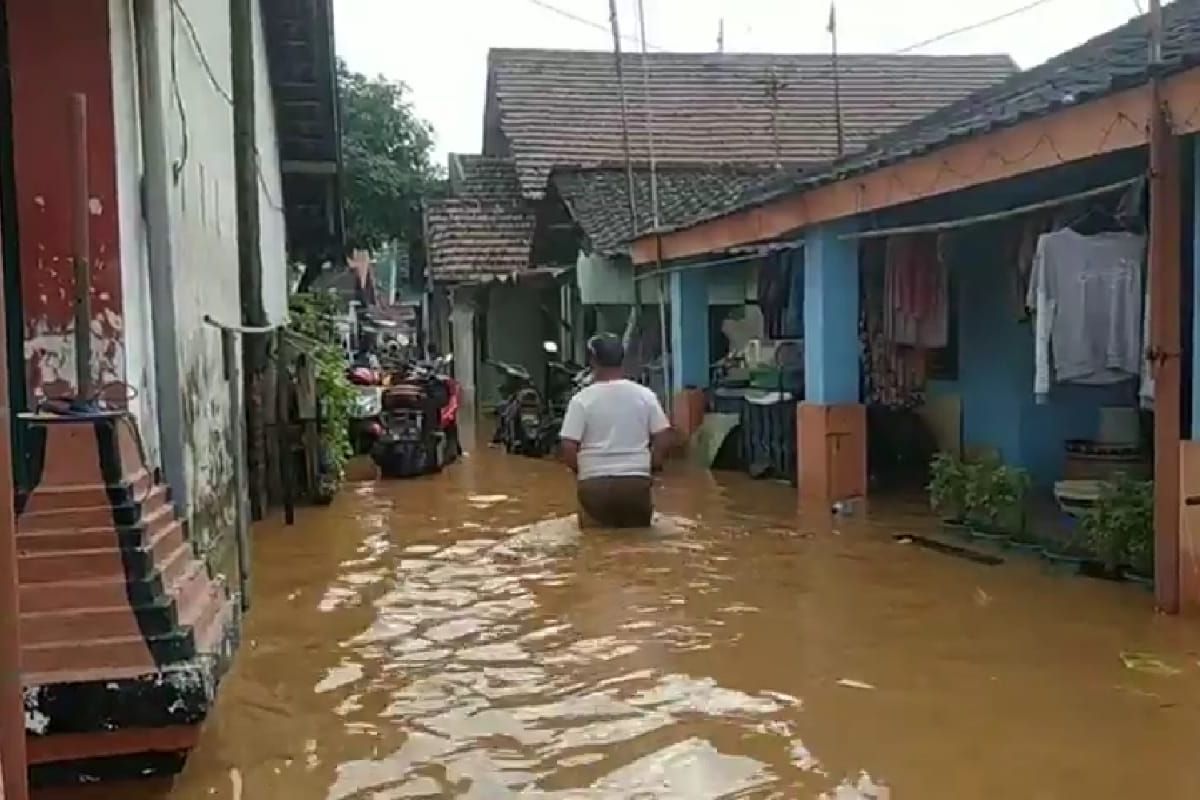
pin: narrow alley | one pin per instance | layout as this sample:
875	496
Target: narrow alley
469	642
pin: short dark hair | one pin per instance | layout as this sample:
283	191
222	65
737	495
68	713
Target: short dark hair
606	350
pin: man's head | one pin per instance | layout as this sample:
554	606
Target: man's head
606	355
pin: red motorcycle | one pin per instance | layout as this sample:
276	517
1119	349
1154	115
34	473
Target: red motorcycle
420	422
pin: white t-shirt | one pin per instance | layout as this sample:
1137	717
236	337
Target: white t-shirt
613	422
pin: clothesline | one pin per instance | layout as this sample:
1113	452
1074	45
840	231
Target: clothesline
964	222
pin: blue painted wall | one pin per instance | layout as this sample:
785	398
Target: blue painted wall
996	368
689	329
831	347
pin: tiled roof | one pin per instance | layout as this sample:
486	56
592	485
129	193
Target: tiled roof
598	197
1109	63
484	177
471	240
558	107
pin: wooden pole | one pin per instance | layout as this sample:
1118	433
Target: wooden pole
81	248
255	348
13	778
283	423
1165	349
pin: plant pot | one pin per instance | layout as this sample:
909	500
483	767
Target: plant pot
1071	563
988	534
1027	547
1131	575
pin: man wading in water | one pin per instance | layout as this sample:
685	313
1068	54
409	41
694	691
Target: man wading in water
614	436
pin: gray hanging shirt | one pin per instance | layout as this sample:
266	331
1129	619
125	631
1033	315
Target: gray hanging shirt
1087	294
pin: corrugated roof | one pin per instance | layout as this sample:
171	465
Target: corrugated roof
563	107
471	240
598	197
1109	63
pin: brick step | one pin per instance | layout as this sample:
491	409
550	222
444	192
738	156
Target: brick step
68	565
96	538
100	516
118	652
110	592
63	497
75	625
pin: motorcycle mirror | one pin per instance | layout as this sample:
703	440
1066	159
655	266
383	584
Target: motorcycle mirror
550	347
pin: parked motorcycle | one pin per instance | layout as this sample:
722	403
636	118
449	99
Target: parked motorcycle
528	422
519	418
420	422
366	422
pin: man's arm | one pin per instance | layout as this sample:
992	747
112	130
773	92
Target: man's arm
660	433
572	434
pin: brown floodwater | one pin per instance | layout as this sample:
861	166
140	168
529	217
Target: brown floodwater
457	637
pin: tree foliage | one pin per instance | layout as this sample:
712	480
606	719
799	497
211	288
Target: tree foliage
386	154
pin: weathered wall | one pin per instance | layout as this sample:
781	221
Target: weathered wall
272	225
131	226
203	220
59	48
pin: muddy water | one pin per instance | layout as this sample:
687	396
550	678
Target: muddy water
457	637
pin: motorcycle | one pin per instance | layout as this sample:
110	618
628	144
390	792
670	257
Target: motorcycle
528	423
420	422
519	417
366	423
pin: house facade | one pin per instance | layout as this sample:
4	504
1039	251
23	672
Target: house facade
1097	146
131	528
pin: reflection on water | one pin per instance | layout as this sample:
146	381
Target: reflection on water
459	637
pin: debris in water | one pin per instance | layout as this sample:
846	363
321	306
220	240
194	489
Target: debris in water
850	683
485	500
1149	664
982	598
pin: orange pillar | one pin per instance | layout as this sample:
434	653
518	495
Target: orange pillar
1165	349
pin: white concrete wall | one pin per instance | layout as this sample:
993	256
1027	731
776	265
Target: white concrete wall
135	275
272	224
198	191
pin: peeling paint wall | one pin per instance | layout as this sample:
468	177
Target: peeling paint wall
45	75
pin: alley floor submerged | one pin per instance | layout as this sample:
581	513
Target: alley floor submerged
458	637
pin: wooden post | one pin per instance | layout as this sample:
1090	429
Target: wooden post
283	425
13	778
81	248
254	315
1165	288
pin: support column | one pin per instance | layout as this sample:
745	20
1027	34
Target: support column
689	348
832	427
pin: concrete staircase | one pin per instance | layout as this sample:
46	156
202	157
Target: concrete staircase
123	632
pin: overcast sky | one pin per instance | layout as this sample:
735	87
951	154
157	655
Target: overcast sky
439	47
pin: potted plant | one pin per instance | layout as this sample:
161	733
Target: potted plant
982	500
1120	528
948	488
1010	487
997	499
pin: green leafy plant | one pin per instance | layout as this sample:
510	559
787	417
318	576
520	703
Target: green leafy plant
1119	527
313	318
995	497
948	487
1009	487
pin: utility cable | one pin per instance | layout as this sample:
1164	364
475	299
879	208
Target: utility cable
972	27
178	12
591	23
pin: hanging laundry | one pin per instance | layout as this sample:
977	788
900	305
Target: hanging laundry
916	295
1086	292
774	293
